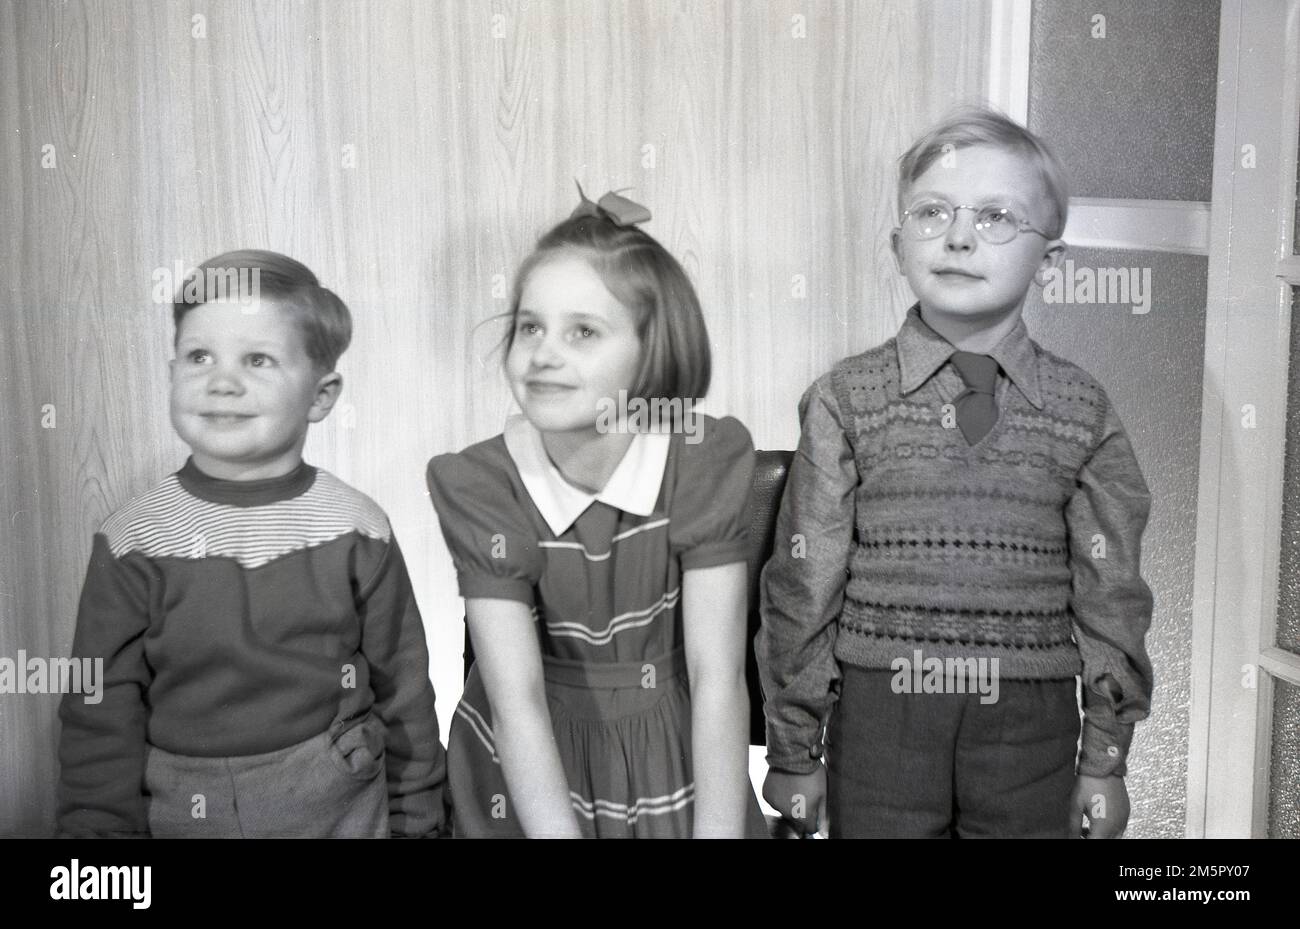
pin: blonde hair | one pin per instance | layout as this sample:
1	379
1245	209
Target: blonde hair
983	125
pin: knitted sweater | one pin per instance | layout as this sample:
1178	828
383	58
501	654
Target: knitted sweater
1023	547
241	617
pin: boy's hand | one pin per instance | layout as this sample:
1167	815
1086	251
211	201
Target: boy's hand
800	798
1104	800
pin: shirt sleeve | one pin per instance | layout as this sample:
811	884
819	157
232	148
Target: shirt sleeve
1110	602
491	544
711	500
803	585
394	646
102	744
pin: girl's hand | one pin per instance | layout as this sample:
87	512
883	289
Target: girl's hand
800	798
1104	801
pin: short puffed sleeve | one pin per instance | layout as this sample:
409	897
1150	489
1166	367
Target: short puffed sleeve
710	508
492	544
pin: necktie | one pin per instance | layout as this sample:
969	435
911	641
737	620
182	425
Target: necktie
977	411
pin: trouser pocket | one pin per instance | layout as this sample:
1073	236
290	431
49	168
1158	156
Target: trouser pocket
357	748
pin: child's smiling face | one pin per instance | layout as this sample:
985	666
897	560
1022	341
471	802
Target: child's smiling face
243	389
958	274
574	344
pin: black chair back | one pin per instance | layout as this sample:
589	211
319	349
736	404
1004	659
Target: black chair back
771	468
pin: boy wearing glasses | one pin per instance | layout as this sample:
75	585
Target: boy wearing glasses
964	515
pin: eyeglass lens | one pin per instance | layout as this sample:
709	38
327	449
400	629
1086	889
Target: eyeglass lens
932	218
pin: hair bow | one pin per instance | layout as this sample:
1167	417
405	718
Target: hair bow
614	206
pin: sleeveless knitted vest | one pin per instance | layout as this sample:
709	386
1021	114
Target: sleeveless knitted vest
961	551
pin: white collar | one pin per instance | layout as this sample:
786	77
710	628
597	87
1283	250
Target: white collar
633	487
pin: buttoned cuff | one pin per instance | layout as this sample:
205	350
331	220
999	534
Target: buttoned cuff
1106	742
794	759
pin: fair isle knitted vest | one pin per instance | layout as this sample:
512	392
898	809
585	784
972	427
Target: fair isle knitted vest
961	551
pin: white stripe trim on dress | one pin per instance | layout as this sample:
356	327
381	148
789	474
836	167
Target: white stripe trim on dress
642	806
479	726
655	524
590	809
618	624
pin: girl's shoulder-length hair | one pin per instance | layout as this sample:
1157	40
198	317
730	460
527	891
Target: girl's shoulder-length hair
643	276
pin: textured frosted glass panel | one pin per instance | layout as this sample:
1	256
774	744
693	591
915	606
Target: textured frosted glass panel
1124	93
1142	359
1288	575
1284	770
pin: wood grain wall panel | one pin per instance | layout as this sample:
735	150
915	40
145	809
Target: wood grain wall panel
410	152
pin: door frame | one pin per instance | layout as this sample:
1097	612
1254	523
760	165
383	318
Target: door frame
1247	342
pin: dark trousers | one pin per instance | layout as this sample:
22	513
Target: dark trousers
946	765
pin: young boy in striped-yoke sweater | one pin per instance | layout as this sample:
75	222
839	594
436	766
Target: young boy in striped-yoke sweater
959	538
265	667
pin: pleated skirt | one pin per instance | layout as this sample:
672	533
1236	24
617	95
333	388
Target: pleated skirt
624	736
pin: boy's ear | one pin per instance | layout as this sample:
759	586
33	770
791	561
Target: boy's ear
1051	261
328	389
896	245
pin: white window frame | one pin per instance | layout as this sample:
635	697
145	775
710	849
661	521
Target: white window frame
1247	340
